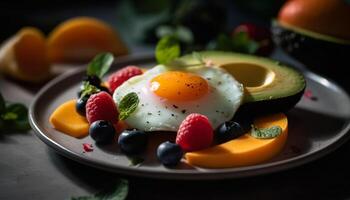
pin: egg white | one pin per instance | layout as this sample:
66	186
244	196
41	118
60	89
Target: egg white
158	114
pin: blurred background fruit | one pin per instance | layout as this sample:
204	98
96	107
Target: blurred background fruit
80	39
317	33
24	56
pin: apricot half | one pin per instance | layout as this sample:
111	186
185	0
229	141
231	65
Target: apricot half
80	39
24	56
66	119
245	150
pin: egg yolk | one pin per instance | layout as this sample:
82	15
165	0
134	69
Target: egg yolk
179	86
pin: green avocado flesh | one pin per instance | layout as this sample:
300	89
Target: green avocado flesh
269	85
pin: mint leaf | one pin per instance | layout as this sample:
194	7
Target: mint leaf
198	56
167	50
100	65
2	104
118	192
181	33
184	34
128	105
222	43
239	42
266	133
16	117
9	116
88	89
242	43
135	160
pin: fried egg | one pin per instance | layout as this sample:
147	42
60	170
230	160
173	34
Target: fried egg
167	96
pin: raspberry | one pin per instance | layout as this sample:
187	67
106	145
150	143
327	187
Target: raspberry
122	75
195	133
101	106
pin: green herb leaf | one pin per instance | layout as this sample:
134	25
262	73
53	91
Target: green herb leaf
118	192
128	105
100	65
2	104
9	116
242	43
222	43
266	133
88	89
135	160
184	34
181	33
198	56
16	117
167	50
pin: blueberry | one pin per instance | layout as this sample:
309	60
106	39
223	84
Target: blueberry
93	80
169	154
133	141
102	131
244	120
228	131
81	104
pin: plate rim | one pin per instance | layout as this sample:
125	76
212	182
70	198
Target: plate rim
188	174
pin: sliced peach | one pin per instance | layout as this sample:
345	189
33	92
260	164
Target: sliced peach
24	56
66	119
80	39
245	150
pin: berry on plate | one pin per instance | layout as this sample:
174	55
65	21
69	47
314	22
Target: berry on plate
80	106
102	131
122	75
195	133
101	106
169	154
133	141
228	131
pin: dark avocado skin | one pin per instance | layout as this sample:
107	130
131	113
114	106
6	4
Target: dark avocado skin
264	107
325	57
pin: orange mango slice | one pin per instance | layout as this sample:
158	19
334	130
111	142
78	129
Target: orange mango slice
80	39
245	150
66	119
24	56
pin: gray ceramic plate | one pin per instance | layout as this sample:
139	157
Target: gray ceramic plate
316	127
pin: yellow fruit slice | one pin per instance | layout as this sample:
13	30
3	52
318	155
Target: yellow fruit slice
245	150
66	119
80	39
24	56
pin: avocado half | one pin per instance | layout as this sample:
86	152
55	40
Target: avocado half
322	53
269	85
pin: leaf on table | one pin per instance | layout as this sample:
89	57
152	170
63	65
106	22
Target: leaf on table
118	192
16	117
